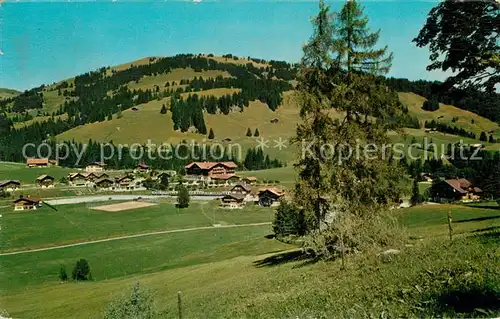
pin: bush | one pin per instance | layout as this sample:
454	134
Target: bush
63	276
81	270
137	305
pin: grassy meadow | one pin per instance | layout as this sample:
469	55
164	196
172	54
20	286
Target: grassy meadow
79	222
25	175
238	272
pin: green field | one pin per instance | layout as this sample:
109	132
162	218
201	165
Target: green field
76	223
26	175
237	272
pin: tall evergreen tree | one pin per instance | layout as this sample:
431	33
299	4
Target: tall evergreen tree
249	132
340	71
211	134
256	133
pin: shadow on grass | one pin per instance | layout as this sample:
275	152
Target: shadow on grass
473	301
491	235
484	206
478	219
286	257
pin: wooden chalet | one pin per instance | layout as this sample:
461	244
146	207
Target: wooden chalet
459	189
10	185
37	162
77	179
249	180
211	169
241	188
27	203
232	201
142	167
45	181
95	167
124	181
104	183
270	196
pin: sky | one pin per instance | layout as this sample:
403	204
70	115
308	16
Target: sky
44	42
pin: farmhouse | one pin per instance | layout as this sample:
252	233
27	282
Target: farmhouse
37	162
249	180
90	177
9	185
270	196
142	167
95	167
104	183
77	179
241	188
232	201
45	181
26	203
211	169
124	181
226	179
164	175
455	190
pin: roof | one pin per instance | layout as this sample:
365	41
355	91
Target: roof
30	199
461	185
209	165
274	190
120	178
246	187
37	161
73	175
9	181
142	165
235	196
224	176
104	179
251	178
42	177
97	164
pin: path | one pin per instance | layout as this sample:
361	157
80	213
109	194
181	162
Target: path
103	198
131	236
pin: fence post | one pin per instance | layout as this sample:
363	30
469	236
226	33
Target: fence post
450	228
179	303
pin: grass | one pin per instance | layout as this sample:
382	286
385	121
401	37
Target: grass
446	113
237	273
76	223
285	175
7	93
27	175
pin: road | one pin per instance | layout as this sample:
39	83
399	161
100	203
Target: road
103	198
182	230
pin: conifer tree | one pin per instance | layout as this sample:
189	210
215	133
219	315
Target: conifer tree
256	133
211	134
340	71
163	109
249	132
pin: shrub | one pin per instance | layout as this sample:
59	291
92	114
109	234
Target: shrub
63	276
163	109
431	105
137	305
81	270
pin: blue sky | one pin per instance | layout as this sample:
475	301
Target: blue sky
45	42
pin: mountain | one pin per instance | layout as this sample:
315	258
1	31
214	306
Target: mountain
168	100
7	93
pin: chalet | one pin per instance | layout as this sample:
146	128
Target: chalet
37	162
90	177
241	188
77	179
270	196
27	203
101	175
163	175
232	201
211	169
10	185
95	167
142	167
225	178
124	181
249	180
455	190
104	183
45	181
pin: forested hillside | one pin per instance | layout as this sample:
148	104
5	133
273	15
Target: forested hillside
203	97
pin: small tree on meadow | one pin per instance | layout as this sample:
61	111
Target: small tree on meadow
211	134
182	196
288	220
81	270
416	198
483	137
249	132
256	133
163	109
138	305
63	276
